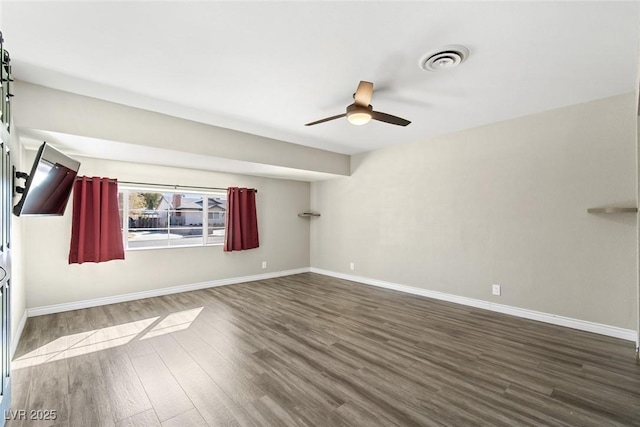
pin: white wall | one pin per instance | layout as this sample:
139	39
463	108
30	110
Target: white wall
638	225
504	203
18	284
284	241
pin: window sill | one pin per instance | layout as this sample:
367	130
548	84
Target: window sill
172	247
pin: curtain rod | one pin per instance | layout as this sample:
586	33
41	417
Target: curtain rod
174	186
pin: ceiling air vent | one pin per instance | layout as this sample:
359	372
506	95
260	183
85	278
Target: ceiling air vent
444	58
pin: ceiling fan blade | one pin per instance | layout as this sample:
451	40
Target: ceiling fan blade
326	120
363	94
388	118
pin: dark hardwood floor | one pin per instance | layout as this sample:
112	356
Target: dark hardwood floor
309	350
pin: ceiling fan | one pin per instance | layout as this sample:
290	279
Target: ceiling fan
361	111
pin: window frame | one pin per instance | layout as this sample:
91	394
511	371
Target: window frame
125	190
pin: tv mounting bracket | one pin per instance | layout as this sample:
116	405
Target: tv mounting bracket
19	175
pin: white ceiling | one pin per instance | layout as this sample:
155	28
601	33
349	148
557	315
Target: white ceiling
269	67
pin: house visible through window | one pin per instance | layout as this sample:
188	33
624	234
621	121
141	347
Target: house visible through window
169	219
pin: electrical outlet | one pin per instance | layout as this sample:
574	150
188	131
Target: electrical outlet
264	264
352	266
496	289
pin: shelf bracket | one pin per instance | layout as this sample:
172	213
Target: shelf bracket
308	214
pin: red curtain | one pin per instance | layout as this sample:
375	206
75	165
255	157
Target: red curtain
95	227
241	226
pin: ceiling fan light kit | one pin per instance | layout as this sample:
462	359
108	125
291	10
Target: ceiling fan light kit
359	115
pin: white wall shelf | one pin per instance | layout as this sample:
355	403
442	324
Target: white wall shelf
611	210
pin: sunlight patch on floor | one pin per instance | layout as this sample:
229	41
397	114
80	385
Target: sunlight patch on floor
174	322
104	338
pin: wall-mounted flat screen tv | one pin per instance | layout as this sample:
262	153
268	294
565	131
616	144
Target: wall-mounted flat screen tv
49	184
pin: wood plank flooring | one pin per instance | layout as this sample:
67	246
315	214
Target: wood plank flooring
309	350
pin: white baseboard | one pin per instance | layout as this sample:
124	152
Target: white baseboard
16	337
76	305
583	325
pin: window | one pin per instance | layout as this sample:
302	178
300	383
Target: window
169	219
